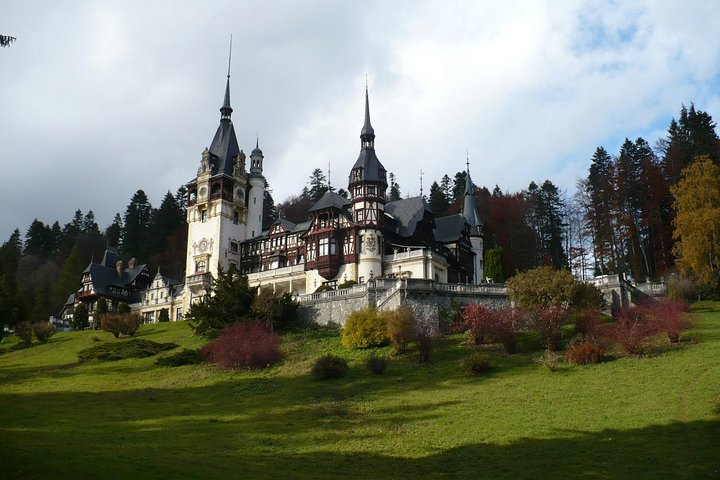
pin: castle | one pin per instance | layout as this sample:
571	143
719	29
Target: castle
356	240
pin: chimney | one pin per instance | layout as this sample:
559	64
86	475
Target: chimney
118	268
131	263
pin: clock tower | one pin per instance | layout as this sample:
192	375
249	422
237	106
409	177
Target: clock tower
217	209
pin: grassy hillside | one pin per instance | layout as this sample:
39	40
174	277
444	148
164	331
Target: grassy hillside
652	417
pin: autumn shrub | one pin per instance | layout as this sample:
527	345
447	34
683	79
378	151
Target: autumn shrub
669	317
23	330
548	322
244	345
347	284
329	366
111	323
376	364
185	356
680	288
631	330
426	334
43	331
477	363
477	322
587	321
504	328
364	328
584	353
400	325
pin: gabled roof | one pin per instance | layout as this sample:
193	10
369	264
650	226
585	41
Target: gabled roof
449	229
330	200
408	212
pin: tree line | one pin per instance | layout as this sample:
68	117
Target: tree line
39	271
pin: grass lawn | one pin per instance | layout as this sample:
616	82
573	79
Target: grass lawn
635	418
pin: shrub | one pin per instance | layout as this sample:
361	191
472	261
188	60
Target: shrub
376	364
400	328
135	348
548	322
587	296
630	330
95	338
425	336
583	353
680	288
245	345
477	363
504	328
185	356
23	330
549	359
587	321
276	310
43	331
80	317
164	315
125	324
477	321
668	317
363	329
347	284
323	288
129	323
123	308
329	366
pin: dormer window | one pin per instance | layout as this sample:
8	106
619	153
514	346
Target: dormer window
357	174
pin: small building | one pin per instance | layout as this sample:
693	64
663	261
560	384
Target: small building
163	293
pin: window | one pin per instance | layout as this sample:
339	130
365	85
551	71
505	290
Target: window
333	246
323	247
236	218
254	200
200	266
234	247
371	189
360	216
361	248
203	216
233	267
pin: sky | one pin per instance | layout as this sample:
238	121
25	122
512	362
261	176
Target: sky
100	99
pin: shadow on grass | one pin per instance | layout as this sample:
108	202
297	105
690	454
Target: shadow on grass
212	431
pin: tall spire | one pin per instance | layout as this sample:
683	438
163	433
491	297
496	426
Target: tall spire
226	109
469	206
367	134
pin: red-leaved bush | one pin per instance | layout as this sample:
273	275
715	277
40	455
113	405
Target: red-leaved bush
485	325
548	321
630	330
587	321
245	345
583	353
668	316
477	321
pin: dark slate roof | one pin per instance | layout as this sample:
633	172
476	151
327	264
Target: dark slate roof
367	127
408	212
70	300
224	148
470	209
449	229
372	169
286	224
330	200
111	256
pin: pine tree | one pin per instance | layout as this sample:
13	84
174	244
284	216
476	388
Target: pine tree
136	226
114	231
437	202
318	184
394	194
69	279
458	189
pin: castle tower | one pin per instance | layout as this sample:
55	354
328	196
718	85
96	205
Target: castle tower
476	226
217	212
257	193
367	186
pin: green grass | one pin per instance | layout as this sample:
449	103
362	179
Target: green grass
635	418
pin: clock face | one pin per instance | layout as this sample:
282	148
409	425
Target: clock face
203	245
203	191
240	194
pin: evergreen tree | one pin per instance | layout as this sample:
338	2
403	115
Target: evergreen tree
68	280
438	202
114	231
458	189
270	211
39	240
394	194
89	225
80	317
318	184
446	188
493	264
181	199
136	226
600	210
10	309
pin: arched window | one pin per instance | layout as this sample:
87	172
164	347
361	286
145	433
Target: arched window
200	266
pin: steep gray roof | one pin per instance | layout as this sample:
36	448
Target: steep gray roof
224	146
371	170
469	210
330	200
449	229
408	212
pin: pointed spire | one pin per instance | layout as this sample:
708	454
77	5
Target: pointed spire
226	109
367	133
469	210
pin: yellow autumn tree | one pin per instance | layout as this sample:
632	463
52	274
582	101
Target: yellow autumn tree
697	223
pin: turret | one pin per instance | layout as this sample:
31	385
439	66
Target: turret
257	193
